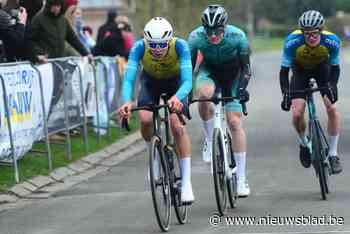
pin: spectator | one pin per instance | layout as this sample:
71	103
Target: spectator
87	30
69	3
71	14
12	29
109	38
104	30
79	27
128	37
49	31
32	7
111	44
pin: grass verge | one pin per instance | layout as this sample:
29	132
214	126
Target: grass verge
34	164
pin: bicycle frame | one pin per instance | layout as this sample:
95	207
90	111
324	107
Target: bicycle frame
221	124
314	123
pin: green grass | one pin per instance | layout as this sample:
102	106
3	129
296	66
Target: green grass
34	164
267	44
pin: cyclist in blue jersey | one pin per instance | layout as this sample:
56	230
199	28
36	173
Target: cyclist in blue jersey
312	52
167	68
225	51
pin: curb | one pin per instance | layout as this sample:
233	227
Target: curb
42	187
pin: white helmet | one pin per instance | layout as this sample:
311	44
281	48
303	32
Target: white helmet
158	29
311	19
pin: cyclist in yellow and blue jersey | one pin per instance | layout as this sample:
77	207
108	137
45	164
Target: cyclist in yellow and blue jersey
312	52
167	68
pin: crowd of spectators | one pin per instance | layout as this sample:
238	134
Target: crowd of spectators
37	30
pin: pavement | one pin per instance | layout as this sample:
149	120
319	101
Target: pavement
285	197
63	178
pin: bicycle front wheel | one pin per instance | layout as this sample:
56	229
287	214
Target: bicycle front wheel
232	182
181	210
320	168
220	183
160	185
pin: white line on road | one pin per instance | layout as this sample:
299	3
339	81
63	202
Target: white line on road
320	232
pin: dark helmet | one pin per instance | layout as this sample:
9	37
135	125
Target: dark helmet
214	16
311	19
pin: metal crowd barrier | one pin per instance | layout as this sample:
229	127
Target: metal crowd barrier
9	123
79	119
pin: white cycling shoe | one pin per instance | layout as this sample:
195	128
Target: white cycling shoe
243	189
187	196
207	151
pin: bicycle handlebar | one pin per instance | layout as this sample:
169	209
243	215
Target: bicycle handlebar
152	108
216	100
308	90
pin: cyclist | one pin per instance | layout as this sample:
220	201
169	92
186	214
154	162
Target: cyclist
312	52
167	68
225	51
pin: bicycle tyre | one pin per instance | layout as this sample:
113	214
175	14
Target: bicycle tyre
220	184
181	210
162	212
324	154
318	163
231	183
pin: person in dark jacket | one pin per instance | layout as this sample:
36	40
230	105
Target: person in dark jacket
104	30
109	38
49	31
12	29
111	45
32	7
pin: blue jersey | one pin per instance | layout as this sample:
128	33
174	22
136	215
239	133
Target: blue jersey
297	52
233	45
176	63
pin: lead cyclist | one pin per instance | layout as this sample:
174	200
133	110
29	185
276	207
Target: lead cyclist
167	69
225	51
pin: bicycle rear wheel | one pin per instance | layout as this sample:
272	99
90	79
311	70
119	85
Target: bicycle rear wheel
231	183
220	183
160	186
318	152
181	210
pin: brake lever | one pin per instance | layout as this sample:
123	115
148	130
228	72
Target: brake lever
181	118
244	109
125	122
125	125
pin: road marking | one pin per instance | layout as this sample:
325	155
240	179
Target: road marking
319	232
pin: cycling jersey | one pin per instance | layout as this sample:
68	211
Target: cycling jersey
233	44
221	61
296	51
176	63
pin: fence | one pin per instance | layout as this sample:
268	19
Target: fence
37	101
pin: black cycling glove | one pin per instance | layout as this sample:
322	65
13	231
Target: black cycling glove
286	102
245	76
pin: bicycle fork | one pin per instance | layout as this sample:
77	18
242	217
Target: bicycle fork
220	123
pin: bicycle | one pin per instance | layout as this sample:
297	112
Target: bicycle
166	175
223	161
320	146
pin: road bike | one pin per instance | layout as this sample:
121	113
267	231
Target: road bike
320	146
164	167
223	163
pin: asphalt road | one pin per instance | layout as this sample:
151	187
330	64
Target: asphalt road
119	202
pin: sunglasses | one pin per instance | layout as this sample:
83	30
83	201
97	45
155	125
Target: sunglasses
214	31
312	33
160	45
